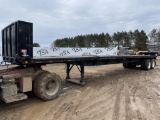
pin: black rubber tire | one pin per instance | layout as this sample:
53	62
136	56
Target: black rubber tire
147	65
36	78
124	65
153	64
38	73
142	65
128	65
49	86
133	65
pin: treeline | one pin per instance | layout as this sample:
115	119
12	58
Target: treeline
133	39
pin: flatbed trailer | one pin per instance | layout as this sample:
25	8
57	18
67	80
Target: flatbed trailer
17	48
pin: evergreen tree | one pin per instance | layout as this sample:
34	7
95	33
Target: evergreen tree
36	45
140	40
108	40
136	39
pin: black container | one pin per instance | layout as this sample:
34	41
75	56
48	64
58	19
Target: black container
17	42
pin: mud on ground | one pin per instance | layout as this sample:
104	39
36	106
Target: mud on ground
111	93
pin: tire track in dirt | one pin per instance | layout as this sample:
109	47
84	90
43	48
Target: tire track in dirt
137	91
144	96
97	105
118	100
78	106
99	99
69	105
123	97
100	111
152	96
155	106
128	115
95	96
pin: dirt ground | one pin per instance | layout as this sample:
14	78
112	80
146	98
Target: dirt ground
110	93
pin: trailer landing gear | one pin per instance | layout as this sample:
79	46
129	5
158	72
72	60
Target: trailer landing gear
81	70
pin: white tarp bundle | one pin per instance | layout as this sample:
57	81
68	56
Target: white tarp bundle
1	55
43	51
1	59
40	51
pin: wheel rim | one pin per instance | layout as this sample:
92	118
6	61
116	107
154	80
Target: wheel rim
51	87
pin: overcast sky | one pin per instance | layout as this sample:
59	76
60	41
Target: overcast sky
55	19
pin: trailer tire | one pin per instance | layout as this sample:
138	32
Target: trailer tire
128	65
142	65
124	65
153	64
49	86
36	77
147	65
133	65
36	74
